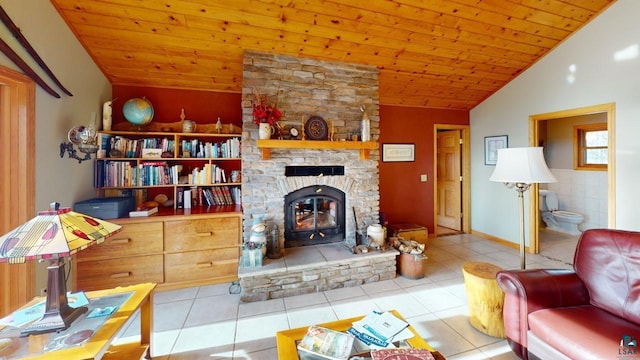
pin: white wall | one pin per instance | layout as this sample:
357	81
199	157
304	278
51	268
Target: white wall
62	180
545	87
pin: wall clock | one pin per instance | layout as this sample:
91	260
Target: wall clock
316	128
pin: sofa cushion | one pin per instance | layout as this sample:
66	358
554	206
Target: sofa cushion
582	332
608	262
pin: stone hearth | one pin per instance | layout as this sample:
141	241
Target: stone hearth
316	268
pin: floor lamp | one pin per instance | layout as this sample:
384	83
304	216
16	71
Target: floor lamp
519	168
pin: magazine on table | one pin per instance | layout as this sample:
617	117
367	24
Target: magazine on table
323	343
402	354
379	330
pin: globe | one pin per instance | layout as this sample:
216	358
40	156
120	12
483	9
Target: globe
138	111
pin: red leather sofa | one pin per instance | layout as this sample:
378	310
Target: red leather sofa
592	312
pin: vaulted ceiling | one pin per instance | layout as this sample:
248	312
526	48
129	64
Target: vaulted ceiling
448	54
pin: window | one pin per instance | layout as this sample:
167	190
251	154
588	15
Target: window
591	151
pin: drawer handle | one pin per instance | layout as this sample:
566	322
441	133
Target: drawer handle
204	264
208	233
121	275
121	241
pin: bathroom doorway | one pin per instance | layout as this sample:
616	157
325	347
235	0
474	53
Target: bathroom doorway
538	127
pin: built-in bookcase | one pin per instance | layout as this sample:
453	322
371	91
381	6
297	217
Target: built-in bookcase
195	170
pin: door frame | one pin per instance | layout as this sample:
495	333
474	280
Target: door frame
17	191
534	136
466	175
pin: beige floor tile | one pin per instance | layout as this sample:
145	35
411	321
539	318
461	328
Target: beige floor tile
210	323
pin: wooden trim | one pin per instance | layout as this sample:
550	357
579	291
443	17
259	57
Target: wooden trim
534	136
364	146
17	190
579	147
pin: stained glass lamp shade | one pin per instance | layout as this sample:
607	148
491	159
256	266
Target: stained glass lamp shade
52	235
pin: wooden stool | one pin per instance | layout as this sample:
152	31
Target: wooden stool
485	297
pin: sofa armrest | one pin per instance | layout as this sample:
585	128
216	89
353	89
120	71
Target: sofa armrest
529	290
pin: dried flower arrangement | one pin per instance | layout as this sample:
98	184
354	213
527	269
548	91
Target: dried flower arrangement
263	111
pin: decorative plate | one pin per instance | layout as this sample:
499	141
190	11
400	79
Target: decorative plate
75	134
316	128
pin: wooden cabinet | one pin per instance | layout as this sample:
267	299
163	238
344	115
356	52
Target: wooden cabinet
173	251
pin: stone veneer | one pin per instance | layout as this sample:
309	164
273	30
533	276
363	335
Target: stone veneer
304	88
316	268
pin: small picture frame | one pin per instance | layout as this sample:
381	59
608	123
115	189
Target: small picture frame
398	152
491	146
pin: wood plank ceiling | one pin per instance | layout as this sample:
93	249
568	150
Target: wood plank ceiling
448	54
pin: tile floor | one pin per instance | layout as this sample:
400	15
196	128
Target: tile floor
209	322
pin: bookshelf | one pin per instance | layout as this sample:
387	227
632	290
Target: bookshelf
206	167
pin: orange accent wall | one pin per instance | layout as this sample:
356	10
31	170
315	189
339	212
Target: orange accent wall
167	104
403	198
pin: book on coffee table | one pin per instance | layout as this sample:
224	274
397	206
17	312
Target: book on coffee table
323	343
402	354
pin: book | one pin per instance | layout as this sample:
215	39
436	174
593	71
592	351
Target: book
186	200
326	343
384	325
402	354
144	212
378	330
99	312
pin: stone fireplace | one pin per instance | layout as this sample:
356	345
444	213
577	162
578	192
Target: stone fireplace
335	92
305	88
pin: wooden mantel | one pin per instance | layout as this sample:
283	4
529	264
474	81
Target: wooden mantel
363	146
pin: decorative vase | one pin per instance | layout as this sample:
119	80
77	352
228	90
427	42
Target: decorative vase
264	131
259	236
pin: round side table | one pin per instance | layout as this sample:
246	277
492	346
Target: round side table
485	297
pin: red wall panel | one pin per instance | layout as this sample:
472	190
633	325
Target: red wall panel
403	198
167	104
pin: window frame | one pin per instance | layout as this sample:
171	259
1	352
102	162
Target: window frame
579	147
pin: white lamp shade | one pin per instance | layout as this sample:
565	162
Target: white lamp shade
522	165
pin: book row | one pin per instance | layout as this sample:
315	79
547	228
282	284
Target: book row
214	196
125	174
193	148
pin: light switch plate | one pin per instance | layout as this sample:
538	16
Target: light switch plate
423	177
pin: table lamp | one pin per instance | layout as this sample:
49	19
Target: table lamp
519	168
52	235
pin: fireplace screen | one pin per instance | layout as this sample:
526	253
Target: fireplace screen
314	215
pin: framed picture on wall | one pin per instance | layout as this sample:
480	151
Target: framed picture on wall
398	152
491	146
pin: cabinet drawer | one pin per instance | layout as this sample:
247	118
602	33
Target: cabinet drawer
106	274
206	264
201	234
134	239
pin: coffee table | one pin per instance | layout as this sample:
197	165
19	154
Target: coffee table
128	299
287	340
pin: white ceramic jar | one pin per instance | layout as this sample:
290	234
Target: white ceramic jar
377	233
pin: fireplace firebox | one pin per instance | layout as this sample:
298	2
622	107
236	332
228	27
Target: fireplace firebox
314	215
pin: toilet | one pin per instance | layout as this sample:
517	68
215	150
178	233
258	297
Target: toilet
558	220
